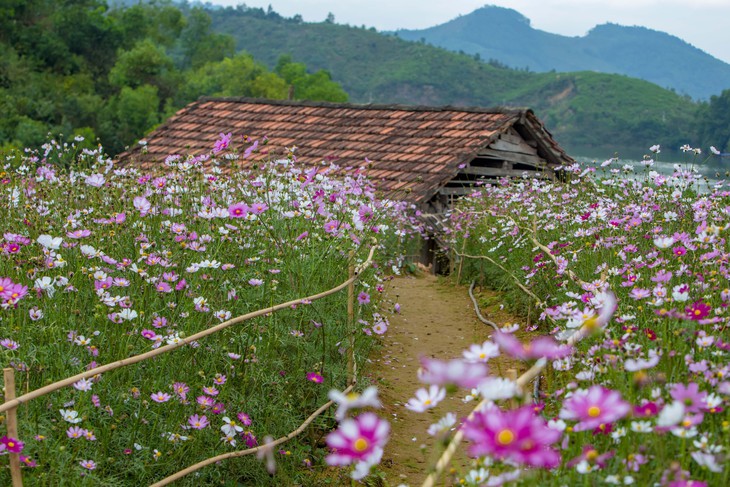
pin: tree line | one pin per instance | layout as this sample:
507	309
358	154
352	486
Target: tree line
80	68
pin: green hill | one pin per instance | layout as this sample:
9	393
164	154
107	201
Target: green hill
581	108
506	35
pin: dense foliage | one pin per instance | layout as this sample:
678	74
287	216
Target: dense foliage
636	265
581	109
80	68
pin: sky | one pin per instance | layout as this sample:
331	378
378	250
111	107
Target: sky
703	23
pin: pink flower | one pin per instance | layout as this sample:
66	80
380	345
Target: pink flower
198	422
357	439
141	203
594	407
88	464
222	143
160	397
78	234
460	372
690	396
363	298
315	377
238	210
181	389
11	445
258	208
517	435
540	347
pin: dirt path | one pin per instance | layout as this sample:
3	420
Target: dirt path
436	320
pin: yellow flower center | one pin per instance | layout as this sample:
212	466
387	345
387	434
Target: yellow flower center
10	444
591	323
505	437
361	444
482	355
594	411
591	455
427	402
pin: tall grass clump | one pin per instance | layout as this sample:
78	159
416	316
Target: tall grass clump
101	262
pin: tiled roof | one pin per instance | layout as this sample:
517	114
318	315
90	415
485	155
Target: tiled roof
415	148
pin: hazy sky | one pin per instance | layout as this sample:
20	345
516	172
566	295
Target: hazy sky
703	23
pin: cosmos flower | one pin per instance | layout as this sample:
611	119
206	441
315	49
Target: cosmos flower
345	402
519	436
459	372
594	407
357	439
426	399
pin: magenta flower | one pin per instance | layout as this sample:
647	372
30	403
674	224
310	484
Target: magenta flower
198	422
160	397
181	389
540	347
244	418
517	435
594	407
315	377
11	445
698	310
238	210
460	372
357	439
363	298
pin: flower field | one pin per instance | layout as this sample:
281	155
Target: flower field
629	278
101	262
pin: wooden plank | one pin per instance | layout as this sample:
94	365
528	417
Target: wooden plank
458	191
512	139
520	148
492	171
513	157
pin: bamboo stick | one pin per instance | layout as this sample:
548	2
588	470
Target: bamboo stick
351	319
12	422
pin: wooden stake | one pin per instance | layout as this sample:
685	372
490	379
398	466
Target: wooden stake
15	473
351	319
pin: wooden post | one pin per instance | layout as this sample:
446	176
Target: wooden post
461	262
512	375
351	320
12	419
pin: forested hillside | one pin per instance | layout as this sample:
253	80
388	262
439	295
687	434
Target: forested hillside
80	69
506	35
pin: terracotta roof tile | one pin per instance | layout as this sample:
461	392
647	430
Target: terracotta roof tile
416	148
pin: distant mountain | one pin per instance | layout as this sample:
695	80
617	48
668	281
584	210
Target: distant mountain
505	35
581	108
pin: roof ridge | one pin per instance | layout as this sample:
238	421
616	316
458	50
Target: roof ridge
366	106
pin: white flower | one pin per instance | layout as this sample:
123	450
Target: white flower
45	284
664	242
230	428
707	460
426	399
368	398
442	425
127	314
670	415
89	251
714	150
49	242
362	468
494	388
481	353
70	415
641	426
83	385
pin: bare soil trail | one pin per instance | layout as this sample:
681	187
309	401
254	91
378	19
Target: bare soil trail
437	320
